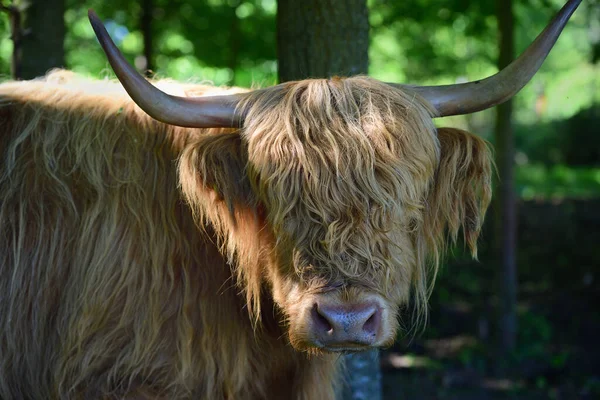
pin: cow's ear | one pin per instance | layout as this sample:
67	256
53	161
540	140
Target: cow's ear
461	191
214	182
212	175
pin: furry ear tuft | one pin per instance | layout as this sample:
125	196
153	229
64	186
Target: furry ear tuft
213	179
461	192
216	163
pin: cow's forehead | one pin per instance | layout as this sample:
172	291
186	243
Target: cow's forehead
335	149
309	106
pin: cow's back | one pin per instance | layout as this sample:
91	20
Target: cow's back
103	273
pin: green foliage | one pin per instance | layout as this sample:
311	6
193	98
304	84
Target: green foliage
559	159
423	41
434	38
535	335
6	47
441	42
582	144
559	181
226	42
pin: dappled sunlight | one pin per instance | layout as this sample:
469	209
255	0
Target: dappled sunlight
407	361
536	181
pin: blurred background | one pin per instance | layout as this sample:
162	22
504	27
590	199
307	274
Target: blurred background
526	328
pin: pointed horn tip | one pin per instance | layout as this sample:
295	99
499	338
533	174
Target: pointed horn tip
92	15
100	30
95	21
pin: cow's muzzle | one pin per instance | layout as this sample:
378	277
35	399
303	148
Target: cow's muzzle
346	327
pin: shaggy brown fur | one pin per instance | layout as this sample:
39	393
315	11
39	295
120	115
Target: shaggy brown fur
115	283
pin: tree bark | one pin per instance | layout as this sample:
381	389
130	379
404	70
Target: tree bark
506	220
320	39
363	377
41	46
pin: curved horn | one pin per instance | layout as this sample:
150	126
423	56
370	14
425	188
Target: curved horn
194	112
466	98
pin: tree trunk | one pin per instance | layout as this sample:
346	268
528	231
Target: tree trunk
41	47
363	377
506	221
320	39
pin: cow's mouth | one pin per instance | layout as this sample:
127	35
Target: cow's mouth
346	348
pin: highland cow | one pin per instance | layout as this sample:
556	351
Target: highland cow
232	250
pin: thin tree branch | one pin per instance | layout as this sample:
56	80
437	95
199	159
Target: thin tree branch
17	33
8	9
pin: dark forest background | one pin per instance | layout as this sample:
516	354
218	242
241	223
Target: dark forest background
524	321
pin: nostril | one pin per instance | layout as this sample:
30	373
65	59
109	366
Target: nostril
372	323
321	321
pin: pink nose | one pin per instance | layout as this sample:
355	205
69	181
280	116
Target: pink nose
346	326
